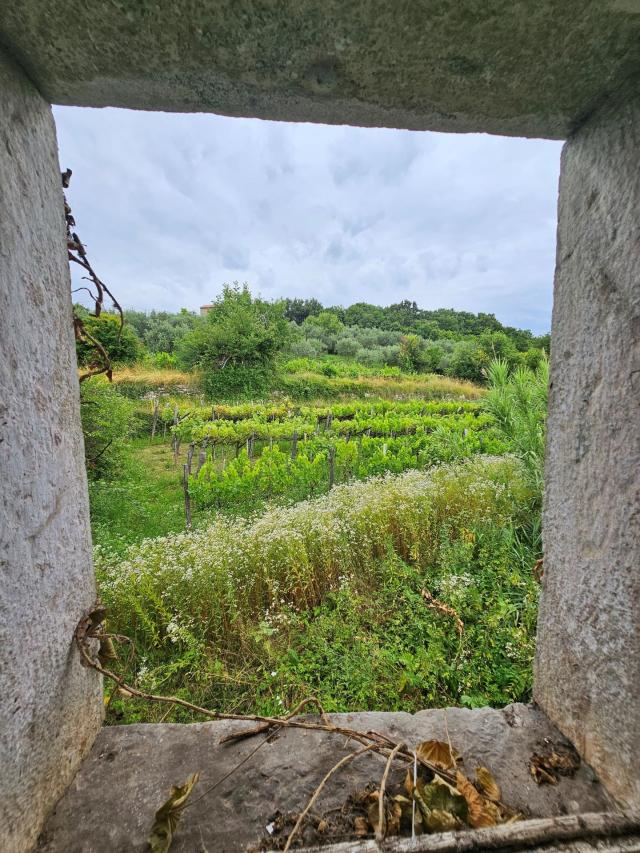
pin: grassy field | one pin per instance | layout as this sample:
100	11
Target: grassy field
146	500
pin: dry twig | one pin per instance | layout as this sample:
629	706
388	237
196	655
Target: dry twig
318	791
382	822
77	254
435	604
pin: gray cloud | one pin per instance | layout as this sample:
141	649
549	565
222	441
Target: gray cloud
172	206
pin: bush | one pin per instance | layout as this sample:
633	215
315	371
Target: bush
518	402
108	420
237	382
161	361
122	345
346	346
238	332
307	348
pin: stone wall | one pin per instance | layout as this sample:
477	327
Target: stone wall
588	653
50	707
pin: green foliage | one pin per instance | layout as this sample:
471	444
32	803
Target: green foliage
517	401
161	361
243	486
325	327
324	597
238	382
107	421
122	345
297	310
236	344
161	331
144	501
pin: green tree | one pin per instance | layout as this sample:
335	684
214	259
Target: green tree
466	361
298	310
363	314
326	327
412	355
239	331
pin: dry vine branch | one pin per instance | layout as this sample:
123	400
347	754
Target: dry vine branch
77	254
435	604
90	627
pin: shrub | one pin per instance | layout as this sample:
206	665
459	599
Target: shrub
518	402
239	332
107	421
122	345
307	348
161	361
347	346
238	382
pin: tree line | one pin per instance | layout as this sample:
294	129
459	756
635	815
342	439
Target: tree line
244	332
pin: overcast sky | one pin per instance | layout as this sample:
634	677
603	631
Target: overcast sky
172	206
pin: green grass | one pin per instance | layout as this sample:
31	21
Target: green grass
145	501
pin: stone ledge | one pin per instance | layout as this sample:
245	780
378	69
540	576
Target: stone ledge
128	774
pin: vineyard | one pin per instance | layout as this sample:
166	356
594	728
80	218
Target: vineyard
258	552
241	457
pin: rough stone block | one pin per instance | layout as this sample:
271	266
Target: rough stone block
587	675
50	706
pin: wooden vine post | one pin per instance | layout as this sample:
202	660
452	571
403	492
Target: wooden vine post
202	456
175	441
187	496
332	466
154	423
190	453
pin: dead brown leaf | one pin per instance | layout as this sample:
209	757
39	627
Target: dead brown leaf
442	821
408	782
438	753
480	815
487	784
540	773
168	815
392	813
553	761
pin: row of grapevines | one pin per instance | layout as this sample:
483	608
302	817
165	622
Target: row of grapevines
285	411
244	484
298	428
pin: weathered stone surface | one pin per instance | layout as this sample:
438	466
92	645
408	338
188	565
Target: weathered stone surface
112	801
588	652
50	707
527	69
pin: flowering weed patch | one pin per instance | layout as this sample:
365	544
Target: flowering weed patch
325	597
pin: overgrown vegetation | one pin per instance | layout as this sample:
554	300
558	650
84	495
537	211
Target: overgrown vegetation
325	597
364	518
